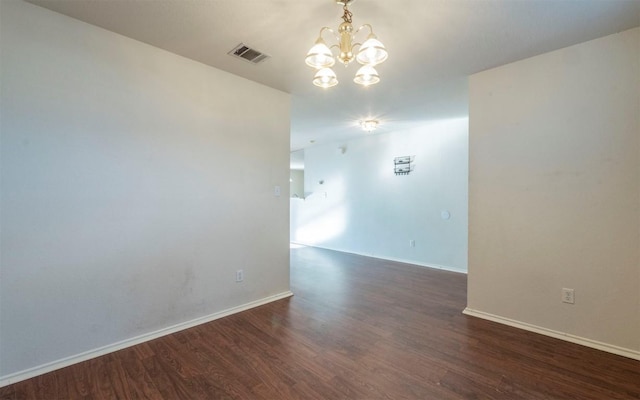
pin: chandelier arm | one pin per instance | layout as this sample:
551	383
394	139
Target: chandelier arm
326	28
362	26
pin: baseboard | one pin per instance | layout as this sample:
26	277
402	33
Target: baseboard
87	355
421	264
609	348
400	260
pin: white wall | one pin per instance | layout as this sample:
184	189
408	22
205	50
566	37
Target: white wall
134	183
363	208
296	186
554	193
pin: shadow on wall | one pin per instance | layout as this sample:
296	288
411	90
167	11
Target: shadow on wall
364	207
325	222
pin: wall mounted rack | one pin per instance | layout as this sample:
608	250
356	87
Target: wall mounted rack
403	165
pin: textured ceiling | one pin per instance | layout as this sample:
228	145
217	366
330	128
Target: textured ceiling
433	46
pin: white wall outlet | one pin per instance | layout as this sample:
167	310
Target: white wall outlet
568	296
239	275
412	243
276	191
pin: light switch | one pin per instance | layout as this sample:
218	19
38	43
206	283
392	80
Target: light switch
276	191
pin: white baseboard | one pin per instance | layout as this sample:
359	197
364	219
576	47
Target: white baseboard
87	355
400	260
421	264
609	348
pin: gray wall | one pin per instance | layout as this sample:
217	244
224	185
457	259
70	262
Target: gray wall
554	193
132	189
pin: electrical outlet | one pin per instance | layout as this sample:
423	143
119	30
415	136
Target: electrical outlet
568	296
412	243
239	275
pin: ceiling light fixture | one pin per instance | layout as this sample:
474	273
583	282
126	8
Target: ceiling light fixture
370	53
369	125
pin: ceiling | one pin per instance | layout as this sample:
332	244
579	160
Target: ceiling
433	46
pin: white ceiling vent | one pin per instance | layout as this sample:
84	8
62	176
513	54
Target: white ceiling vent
248	54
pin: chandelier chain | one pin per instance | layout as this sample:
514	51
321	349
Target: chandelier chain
347	14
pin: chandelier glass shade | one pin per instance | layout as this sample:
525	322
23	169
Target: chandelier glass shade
366	75
325	78
320	55
371	52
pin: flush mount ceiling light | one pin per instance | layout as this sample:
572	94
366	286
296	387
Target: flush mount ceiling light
370	53
369	125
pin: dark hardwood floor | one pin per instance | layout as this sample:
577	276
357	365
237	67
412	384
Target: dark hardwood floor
357	328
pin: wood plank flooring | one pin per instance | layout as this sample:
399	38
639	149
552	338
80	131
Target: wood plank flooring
357	328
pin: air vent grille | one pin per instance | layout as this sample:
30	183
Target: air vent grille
248	54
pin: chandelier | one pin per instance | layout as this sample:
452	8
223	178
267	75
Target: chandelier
369	53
